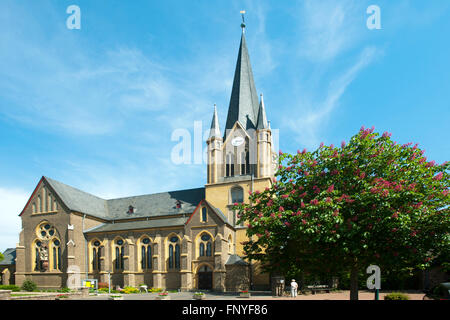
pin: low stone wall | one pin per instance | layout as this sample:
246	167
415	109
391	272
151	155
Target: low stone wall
5	294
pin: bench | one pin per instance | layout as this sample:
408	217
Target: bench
316	288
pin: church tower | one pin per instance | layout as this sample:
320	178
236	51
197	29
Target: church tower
240	160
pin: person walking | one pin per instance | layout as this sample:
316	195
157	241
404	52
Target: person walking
294	287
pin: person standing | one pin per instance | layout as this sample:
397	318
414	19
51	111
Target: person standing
294	287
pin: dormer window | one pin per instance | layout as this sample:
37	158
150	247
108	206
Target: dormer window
178	204
130	210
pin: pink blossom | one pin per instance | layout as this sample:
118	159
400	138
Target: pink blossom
236	204
438	176
302	204
394	230
336	213
272	215
303	221
287	224
445	192
395	215
280	152
328	200
342	144
281	209
259	235
284	196
321	144
269	203
304	151
306	173
331	146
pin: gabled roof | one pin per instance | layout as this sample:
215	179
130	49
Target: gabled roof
244	99
79	201
9	257
157	204
150	205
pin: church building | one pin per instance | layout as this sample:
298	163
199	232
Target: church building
186	239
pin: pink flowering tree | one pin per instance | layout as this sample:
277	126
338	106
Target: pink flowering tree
333	210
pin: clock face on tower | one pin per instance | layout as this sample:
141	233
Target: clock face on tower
237	141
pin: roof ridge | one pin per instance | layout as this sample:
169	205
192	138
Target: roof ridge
150	194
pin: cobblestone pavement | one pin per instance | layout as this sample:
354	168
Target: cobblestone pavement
341	295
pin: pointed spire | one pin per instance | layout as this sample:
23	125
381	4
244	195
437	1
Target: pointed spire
244	99
262	118
215	129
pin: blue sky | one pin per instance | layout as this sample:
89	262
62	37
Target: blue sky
95	108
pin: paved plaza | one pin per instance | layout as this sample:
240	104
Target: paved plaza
341	295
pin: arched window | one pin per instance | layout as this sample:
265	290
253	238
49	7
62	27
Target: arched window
243	163
119	264
96	255
174	253
204	214
56	252
229	165
146	254
37	260
205	241
39	203
237	195
230	244
44	200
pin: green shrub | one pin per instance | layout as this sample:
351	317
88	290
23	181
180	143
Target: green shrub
64	290
396	296
155	290
11	287
29	285
104	290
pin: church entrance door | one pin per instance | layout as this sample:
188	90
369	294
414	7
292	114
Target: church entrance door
205	278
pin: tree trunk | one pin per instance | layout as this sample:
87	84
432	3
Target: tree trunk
354	283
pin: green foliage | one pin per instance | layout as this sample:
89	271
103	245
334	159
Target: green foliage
371	201
65	290
29	285
396	296
1	256
11	287
155	290
103	290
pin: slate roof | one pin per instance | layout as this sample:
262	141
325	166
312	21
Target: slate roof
234	259
79	201
9	257
215	128
262	118
244	99
137	225
150	205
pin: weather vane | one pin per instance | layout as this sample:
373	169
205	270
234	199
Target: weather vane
243	20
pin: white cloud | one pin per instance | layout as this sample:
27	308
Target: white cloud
312	115
12	201
329	28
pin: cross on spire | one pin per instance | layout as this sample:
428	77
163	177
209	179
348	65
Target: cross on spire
243	20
